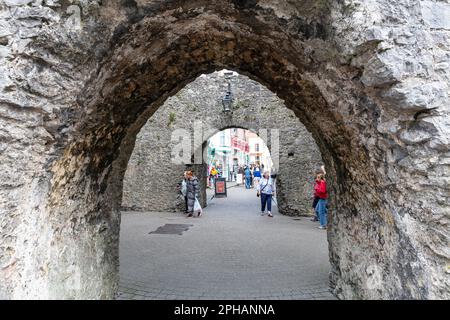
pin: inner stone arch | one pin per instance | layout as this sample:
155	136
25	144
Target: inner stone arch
198	107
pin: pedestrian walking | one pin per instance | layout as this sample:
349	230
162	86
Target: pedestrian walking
266	190
315	196
248	178
213	174
320	189
256	176
192	192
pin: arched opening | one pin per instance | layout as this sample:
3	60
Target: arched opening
231	251
385	151
150	185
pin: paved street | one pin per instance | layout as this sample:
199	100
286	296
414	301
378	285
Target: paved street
230	253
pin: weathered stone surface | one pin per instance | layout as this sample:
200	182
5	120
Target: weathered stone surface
198	107
64	153
436	14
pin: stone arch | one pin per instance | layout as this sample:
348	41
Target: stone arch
107	135
381	126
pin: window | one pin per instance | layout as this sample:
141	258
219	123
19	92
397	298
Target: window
222	139
257	147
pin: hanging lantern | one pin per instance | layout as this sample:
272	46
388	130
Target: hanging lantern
227	100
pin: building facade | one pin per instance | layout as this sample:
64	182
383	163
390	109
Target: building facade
219	153
234	148
259	153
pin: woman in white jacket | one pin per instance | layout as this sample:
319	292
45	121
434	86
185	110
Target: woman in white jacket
266	190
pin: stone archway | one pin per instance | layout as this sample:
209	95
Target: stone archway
197	107
376	104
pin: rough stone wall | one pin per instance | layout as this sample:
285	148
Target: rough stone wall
198	106
369	79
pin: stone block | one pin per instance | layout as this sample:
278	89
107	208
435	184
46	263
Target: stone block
436	14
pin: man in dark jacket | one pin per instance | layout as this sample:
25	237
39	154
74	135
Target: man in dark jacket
192	191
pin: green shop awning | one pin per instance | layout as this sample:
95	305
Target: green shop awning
223	149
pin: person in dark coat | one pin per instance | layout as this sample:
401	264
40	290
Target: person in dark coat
192	191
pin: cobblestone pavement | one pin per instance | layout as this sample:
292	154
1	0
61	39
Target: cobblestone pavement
231	252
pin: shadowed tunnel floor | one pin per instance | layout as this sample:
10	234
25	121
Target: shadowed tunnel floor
231	252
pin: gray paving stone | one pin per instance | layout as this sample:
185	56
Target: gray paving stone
229	253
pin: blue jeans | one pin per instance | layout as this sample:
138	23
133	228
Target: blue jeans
266	198
248	182
321	210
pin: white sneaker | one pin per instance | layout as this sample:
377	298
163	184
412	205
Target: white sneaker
270	215
262	213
